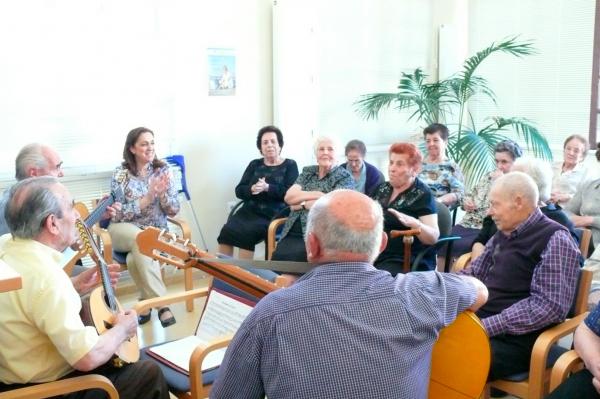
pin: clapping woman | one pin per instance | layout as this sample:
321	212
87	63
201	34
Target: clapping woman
150	196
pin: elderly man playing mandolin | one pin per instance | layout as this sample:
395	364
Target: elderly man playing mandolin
345	329
42	337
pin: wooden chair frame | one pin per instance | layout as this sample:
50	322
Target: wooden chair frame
197	387
272	234
536	386
568	363
63	387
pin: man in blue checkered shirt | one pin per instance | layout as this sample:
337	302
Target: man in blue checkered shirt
345	329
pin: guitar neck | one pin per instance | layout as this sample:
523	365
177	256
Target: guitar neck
96	214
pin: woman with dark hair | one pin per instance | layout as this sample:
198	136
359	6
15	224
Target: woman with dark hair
476	203
443	176
150	196
570	172
262	188
366	176
407	203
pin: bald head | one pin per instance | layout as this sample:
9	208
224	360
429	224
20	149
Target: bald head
513	197
518	184
347	224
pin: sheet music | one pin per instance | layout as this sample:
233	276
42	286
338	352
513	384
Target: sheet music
222	315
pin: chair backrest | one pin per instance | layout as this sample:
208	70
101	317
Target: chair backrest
585	237
582	291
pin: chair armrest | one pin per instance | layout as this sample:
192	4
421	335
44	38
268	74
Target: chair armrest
541	348
568	363
143	306
62	387
271	233
186	232
198	357
462	262
437	245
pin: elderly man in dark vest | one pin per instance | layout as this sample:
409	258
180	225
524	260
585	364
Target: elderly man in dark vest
530	269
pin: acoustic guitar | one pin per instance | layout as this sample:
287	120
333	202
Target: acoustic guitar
100	308
463	343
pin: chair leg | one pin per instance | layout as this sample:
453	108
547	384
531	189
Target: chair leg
189	285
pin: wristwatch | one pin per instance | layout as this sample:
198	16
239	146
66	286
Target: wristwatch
303	205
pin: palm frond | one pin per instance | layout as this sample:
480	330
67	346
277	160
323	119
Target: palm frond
413	91
509	46
369	105
534	140
474	159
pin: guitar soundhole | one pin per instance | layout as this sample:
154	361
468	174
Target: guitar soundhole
107	325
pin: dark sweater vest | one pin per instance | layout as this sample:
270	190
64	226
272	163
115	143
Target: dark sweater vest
513	262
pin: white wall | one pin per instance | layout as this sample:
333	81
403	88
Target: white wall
329	53
80	75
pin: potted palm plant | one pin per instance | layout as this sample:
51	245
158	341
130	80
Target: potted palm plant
447	101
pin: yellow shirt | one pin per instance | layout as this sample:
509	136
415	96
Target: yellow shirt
41	332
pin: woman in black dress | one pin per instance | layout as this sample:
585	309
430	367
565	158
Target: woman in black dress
262	189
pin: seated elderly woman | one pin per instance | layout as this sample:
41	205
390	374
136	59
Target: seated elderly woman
570	172
541	173
262	187
584	211
366	176
443	176
314	182
408	204
476	203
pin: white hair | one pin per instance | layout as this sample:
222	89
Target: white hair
541	173
335	236
335	142
518	183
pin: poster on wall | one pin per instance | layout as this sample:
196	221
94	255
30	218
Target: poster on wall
221	72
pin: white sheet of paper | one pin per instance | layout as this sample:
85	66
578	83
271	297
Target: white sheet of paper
222	315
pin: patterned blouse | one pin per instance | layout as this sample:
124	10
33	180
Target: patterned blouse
135	187
480	196
443	178
337	178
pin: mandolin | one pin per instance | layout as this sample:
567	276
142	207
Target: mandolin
464	342
101	306
91	219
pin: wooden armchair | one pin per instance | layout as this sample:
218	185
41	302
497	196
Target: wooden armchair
63	387
226	277
534	384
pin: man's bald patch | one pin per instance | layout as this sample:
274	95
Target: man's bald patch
353	210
